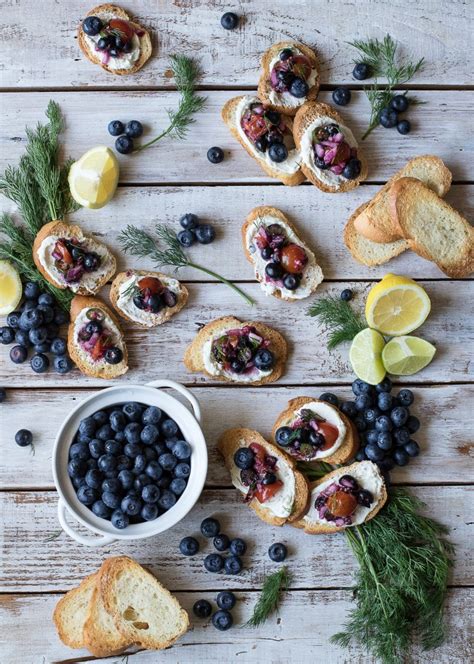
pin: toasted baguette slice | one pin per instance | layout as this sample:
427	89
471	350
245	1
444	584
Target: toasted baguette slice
313	527
232	440
144	611
307	119
312	273
89	367
71	612
104	12
286	103
194	355
434	229
349	445
367	251
375	222
91	282
137	316
229	115
101	637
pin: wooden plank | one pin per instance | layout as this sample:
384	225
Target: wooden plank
50	566
50	56
435	130
445	436
319	218
158	353
294	634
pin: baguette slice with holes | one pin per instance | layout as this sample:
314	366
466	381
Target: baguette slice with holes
143	610
96	56
71	611
434	229
232	440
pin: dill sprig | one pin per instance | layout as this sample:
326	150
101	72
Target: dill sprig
186	73
138	242
402	582
336	314
382	57
314	472
269	597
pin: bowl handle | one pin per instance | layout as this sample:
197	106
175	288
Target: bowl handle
98	540
163	382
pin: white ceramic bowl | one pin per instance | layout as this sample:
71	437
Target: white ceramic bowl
103	531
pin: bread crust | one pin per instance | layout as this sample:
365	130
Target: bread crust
169	312
230	442
74	639
320	528
264	86
102	370
228	115
145	41
305	115
267	210
193	356
61	229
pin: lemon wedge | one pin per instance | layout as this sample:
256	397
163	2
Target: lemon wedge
10	288
93	178
396	306
366	356
404	356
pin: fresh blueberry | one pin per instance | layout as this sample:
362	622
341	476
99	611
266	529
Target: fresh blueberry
264	359
205	234
151	415
388	118
404	127
88	427
412	448
274	270
111	499
96	448
384	386
132	433
383	423
400	456
189	221
244	457
210	527
278	552
123	462
80	450
399	103
202	608
116	128
106	463
132	411
134	129
221	542
47	299
361	71
3	394
169	428
298	88
126	479
119	519
92	25
105	432
361	456
22	338
237	546
384	440
214	562
182	470
7	335
349	409
113	355
229	21
149	434
291	281
401	435
177	486
329	397
283	437
117	420
186	238
139	464
352	169
215	155
112	447
100	417
131	505
28	304
39	363
140	482
150	453
48	313
86	495
154	470
341	96
53	331
124	144
370	415
13	319
384	401
18	354
62	364
359	423
101	510
182	450
149	512
386	464
167	461
362	402
111	485
346	294
45	347
233	565
167	499
374	453
31	290
61	317
222	620
372	436
226	600
399	416
24	437
189	546
405	397
412	424
278	152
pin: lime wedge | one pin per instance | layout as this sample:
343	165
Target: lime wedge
404	356
366	356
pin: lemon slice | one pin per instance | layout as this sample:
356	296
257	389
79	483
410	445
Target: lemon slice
366	356
396	305
404	356
10	288
93	178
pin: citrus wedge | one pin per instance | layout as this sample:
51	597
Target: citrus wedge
404	356
10	288
366	356
396	306
93	178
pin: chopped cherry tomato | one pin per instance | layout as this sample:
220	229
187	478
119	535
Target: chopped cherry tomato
61	248
123	27
342	503
301	66
153	284
254	126
265	491
293	258
330	433
343	153
258	450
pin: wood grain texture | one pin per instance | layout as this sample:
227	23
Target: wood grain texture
290	636
51	56
158	353
445	436
435	130
57	565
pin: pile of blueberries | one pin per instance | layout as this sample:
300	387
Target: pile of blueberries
383	421
125	133
129	463
36	325
215	562
193	230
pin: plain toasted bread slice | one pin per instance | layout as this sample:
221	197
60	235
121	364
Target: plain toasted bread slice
313	272
264	86
316	528
306	116
350	444
367	251
375	222
101	637
434	229
71	612
64	230
88	367
229	115
153	320
96	57
232	439
193	358
144	611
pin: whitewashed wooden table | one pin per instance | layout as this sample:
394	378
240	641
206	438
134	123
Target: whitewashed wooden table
40	60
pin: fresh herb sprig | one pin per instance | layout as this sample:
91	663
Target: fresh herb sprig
383	59
186	73
269	598
314	472
138	242
401	586
338	315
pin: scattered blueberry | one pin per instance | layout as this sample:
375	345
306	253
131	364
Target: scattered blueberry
361	71
221	543
226	600
341	96
119	519
399	103
134	129
18	354
7	335
215	155
116	128
124	144
214	562
329	397
39	363
202	608
278	152
23	437
237	546
233	565
205	234
388	118
222	620
189	221
404	127
346	294
229	21
244	457
278	552
405	397
210	527
352	169
298	88
412	448
92	25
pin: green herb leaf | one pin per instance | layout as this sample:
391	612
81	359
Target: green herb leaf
336	314
269	598
314	471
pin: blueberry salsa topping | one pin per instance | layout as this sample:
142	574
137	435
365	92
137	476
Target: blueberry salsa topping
332	152
338	502
113	38
267	130
307	436
95	338
242	351
73	260
149	294
285	261
258	473
291	73
124	463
